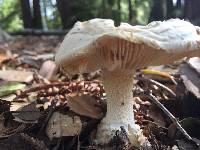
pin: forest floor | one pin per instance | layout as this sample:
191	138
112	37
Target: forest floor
37	99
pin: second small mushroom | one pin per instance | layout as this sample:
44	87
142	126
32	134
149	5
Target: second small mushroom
119	51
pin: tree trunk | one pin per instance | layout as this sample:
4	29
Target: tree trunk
37	19
103	8
192	11
119	10
43	6
178	3
26	13
170	9
158	11
64	10
132	13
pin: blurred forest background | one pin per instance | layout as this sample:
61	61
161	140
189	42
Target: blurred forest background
18	15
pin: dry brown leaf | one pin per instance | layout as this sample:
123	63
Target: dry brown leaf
3	57
157	116
85	105
2	127
14	75
27	114
63	125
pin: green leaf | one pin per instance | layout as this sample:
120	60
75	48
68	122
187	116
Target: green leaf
10	87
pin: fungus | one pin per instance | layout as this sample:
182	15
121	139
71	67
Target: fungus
118	52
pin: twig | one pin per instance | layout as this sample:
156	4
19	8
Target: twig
159	85
40	87
23	94
172	118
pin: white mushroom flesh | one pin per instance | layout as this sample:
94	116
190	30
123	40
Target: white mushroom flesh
118	86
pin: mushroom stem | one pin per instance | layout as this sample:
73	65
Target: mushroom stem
118	86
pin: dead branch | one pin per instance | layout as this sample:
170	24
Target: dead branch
151	81
172	118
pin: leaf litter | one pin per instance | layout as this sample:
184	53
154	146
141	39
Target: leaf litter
45	109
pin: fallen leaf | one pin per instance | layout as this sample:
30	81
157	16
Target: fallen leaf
61	125
30	61
27	114
85	105
45	56
10	87
157	116
14	75
195	63
156	72
17	105
4	106
22	141
2	126
3	57
157	75
186	145
191	79
191	125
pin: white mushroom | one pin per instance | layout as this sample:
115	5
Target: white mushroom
119	51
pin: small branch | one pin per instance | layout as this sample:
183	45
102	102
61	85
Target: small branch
172	118
73	86
40	87
159	85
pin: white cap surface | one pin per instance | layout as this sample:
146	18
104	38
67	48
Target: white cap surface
98	44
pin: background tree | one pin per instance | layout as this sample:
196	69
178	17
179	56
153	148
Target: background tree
192	11
37	18
64	10
158	10
26	13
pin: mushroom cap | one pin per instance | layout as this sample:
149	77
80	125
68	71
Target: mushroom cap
98	44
